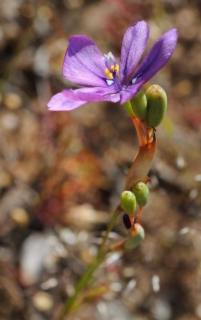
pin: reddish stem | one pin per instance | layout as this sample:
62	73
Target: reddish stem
143	160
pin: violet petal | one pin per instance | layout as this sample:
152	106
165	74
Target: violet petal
67	100
83	62
157	57
155	60
133	46
64	101
97	94
129	92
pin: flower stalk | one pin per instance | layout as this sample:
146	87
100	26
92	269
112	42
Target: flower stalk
86	278
138	172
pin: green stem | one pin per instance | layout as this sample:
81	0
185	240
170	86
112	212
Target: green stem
87	276
84	281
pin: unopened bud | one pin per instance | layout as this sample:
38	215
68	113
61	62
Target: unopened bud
141	192
139	105
135	238
128	201
156	105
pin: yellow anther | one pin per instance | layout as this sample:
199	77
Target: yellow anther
116	68
112	67
109	74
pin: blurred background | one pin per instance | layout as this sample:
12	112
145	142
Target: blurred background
61	173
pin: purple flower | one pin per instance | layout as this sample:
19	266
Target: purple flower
101	76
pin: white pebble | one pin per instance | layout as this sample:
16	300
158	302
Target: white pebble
155	283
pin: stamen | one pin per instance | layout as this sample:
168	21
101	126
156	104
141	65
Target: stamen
116	67
109	57
112	68
108	73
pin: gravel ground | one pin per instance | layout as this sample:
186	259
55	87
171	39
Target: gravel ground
61	173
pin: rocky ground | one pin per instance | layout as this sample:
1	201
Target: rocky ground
61	173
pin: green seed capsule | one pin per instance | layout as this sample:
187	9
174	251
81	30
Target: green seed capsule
156	105
135	238
139	105
128	201
141	192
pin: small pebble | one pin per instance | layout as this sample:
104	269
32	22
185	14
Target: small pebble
193	194
161	310
155	283
198	311
38	252
198	178
180	163
113	258
49	284
128	272
10	121
184	231
130	286
20	216
43	301
116	287
114	310
12	101
68	236
5	179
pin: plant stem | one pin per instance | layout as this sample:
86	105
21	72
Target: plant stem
90	270
138	171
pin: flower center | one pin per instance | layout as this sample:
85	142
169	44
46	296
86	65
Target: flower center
112	68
